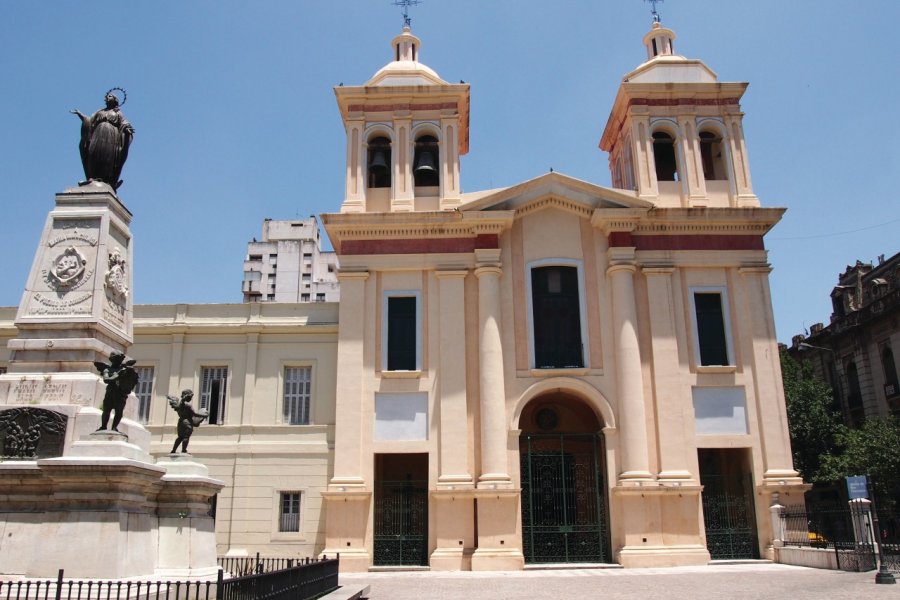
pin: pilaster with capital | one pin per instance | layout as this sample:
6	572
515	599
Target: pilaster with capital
668	386
761	349
348	411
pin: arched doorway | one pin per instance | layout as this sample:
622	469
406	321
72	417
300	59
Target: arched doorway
565	517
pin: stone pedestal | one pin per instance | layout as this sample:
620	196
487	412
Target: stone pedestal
498	534
454	519
89	502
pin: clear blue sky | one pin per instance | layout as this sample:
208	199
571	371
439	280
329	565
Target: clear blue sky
236	121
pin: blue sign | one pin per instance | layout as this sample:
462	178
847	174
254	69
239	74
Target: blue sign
857	488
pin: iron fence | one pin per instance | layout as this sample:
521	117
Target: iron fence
239	566
847	531
92	589
299	580
302	582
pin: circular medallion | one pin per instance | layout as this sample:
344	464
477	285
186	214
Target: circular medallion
547	419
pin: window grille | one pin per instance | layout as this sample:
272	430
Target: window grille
297	386
289	517
401	333
144	391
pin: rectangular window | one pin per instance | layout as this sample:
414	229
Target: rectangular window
712	339
2	370
320	297
289	517
144	391
401	330
213	387
304	297
297	387
556	317
306	278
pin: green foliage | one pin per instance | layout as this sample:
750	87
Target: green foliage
813	422
873	449
825	450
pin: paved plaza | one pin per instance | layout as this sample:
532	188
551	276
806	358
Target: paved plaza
762	581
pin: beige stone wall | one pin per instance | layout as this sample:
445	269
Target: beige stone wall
254	452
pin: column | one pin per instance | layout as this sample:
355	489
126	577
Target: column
689	142
454	442
629	383
348	401
493	393
671	395
449	162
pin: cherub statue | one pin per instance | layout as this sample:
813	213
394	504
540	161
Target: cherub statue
120	379
188	418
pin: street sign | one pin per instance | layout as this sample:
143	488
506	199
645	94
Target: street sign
856	487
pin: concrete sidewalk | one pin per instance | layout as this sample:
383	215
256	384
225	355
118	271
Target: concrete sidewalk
763	581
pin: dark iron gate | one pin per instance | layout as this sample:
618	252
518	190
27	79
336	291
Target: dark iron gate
564	515
401	523
729	517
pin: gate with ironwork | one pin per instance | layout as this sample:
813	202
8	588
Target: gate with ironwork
564	514
729	517
401	523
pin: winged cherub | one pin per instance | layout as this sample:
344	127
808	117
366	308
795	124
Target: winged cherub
120	379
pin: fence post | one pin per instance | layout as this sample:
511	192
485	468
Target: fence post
860	511
59	578
776	513
220	589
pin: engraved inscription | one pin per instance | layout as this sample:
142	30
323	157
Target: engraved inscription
114	313
40	392
25	392
70	305
69	230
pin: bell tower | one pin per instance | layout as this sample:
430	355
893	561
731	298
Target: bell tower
675	133
406	130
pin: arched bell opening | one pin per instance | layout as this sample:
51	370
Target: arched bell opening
425	162
565	511
379	163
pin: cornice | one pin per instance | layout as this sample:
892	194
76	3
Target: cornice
342	227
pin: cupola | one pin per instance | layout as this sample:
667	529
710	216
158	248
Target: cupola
659	41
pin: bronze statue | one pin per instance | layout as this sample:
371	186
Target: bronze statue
120	378
105	138
188	418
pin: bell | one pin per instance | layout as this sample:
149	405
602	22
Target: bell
425	163
379	162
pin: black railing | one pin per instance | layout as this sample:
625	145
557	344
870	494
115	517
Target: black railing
846	531
85	589
239	566
302	582
304	579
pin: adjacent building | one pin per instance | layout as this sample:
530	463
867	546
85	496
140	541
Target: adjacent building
551	372
855	351
289	265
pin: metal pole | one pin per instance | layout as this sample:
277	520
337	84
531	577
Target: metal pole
883	575
59	579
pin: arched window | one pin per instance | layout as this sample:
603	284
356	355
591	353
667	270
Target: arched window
664	155
425	162
711	152
379	163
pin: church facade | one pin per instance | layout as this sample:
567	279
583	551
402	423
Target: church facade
552	372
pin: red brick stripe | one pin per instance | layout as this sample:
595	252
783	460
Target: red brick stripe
420	246
687	242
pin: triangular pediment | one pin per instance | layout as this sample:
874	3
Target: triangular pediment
554	190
